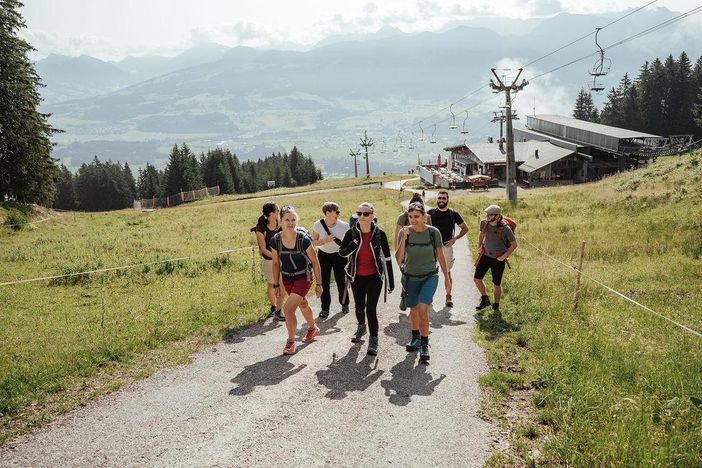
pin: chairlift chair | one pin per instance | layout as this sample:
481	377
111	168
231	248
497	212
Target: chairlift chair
464	131
421	138
453	125
411	142
433	140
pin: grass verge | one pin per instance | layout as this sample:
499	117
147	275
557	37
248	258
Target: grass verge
66	341
609	383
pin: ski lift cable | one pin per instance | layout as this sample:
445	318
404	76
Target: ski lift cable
654	28
588	34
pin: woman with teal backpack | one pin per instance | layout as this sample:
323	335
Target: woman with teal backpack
420	253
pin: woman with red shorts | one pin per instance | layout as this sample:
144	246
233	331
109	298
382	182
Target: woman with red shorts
295	260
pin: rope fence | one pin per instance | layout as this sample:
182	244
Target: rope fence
579	272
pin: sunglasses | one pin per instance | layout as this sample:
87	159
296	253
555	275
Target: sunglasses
363	213
287	208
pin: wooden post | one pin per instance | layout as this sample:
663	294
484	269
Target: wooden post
253	265
580	269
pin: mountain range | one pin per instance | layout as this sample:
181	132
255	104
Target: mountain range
257	101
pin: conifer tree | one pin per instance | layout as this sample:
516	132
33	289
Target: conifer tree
27	171
585	107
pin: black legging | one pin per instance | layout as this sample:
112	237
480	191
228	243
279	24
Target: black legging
366	292
327	261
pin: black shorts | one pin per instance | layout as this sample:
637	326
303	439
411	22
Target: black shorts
496	267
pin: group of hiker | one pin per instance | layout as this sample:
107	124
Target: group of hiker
358	253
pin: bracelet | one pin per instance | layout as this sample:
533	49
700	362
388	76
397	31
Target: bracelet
276	285
317	285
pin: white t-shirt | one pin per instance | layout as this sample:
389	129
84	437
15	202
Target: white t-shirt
337	231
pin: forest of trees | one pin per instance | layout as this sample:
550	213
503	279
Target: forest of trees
665	99
100	186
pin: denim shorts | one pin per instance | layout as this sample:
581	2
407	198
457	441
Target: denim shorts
420	290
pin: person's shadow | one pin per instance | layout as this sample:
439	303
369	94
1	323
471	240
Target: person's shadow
399	330
272	371
442	318
494	325
408	381
329	326
232	335
346	375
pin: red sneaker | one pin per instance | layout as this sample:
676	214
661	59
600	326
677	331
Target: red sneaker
311	333
289	347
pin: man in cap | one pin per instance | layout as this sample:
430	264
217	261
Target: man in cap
495	244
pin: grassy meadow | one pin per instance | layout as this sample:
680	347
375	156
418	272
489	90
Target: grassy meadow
65	341
610	383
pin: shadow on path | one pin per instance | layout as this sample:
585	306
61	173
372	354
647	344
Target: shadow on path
272	371
329	325
346	375
408	381
494	325
238	335
442	318
399	330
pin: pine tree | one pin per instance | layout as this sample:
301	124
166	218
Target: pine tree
585	107
66	193
129	181
149	184
27	171
183	171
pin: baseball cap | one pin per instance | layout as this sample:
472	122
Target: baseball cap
493	209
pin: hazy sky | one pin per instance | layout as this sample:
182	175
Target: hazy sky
111	29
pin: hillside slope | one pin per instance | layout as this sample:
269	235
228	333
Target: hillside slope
611	383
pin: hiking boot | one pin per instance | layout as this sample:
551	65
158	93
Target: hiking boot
289	347
279	315
424	353
372	346
311	333
323	314
344	309
449	301
272	313
403	306
484	302
414	345
496	307
360	331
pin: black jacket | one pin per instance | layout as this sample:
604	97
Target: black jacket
379	247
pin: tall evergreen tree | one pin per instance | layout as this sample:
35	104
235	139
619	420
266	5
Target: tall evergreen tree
27	171
66	193
182	172
585	107
129	181
149	183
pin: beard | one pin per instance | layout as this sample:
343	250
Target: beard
442	204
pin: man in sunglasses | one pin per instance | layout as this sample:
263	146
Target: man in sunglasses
445	219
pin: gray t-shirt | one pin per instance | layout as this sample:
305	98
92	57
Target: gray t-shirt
494	247
419	251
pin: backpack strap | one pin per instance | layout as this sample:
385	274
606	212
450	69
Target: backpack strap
326	228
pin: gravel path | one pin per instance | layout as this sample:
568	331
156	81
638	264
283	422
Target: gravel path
243	403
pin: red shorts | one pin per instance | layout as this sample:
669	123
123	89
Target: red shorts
299	286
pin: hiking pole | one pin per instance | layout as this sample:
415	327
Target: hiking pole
579	270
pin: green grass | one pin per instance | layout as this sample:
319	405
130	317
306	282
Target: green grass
65	341
616	384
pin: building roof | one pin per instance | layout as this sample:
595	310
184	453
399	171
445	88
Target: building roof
548	154
614	132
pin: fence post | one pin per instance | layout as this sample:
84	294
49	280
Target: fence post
579	270
253	264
